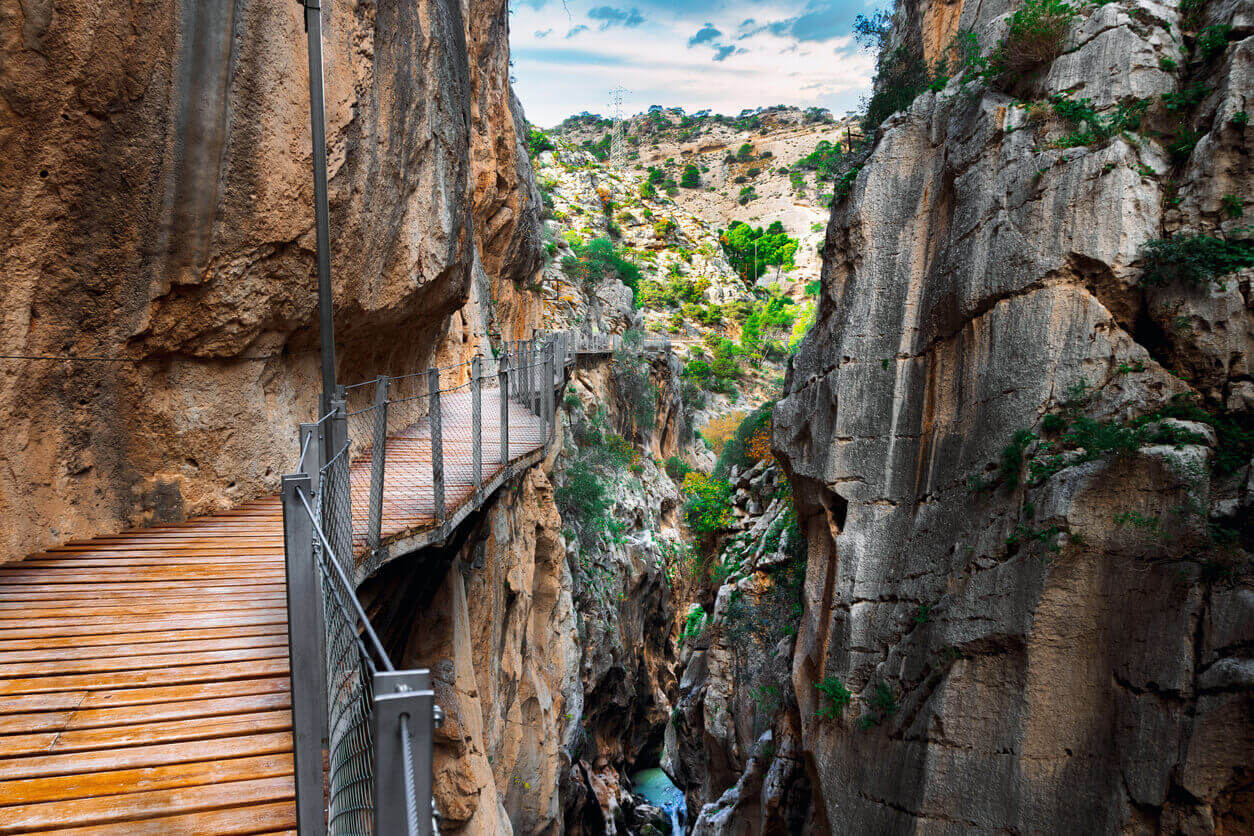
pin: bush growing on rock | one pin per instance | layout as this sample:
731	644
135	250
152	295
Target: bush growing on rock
708	506
691	178
538	142
599	260
1036	36
1193	259
736	451
745	154
837	697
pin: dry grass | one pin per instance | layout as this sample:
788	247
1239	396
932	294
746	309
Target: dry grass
721	429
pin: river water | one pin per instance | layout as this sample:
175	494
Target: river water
656	786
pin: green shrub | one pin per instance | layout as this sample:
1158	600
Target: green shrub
1193	259
676	468
599	260
844	185
838	698
691	178
1035	36
747	195
1167	64
745	154
1231	206
1090	127
583	498
1213	40
538	142
1240	118
634	385
751	250
693	625
664	228
735	452
1187	98
647	190
881	705
1012	456
824	160
708	506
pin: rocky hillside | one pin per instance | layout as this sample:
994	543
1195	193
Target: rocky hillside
1020	431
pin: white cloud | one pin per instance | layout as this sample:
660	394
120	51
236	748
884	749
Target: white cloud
557	77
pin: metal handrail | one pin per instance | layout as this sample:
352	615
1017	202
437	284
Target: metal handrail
339	575
372	723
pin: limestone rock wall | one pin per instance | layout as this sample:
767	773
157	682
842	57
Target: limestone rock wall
157	205
1054	651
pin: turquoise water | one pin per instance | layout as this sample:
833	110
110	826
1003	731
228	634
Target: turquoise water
656	786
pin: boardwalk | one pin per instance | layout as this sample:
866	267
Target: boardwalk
144	677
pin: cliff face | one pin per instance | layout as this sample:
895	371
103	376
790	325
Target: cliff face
1043	629
157	203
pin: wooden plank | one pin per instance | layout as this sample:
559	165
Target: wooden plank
11	628
133	679
122	781
109	639
254	818
95	812
230	641
136	609
82	740
135	757
116	664
95	718
87	700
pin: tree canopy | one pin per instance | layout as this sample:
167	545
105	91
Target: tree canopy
775	247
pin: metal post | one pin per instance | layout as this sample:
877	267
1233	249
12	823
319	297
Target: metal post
547	394
520	379
437	444
322	222
314	445
378	463
476	423
305	655
403	727
503	374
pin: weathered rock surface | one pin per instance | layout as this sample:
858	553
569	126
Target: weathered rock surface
157	199
1025	657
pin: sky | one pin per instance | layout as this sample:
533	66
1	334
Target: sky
725	55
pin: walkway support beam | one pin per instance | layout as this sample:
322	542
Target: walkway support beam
305	633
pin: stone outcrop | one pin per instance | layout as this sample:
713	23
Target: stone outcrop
494	621
1032	644
157	199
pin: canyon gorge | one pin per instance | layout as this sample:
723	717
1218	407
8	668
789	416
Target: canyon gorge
919	499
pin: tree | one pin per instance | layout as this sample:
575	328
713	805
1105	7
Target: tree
691	178
538	142
750	250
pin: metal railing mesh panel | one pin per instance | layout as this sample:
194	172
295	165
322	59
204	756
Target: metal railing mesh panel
349	670
408	451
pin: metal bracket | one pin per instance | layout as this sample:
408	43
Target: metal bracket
403	702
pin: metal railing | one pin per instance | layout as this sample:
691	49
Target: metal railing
392	455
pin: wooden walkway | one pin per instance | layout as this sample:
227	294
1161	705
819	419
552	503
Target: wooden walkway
144	677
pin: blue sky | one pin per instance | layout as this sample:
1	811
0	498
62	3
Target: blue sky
725	55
